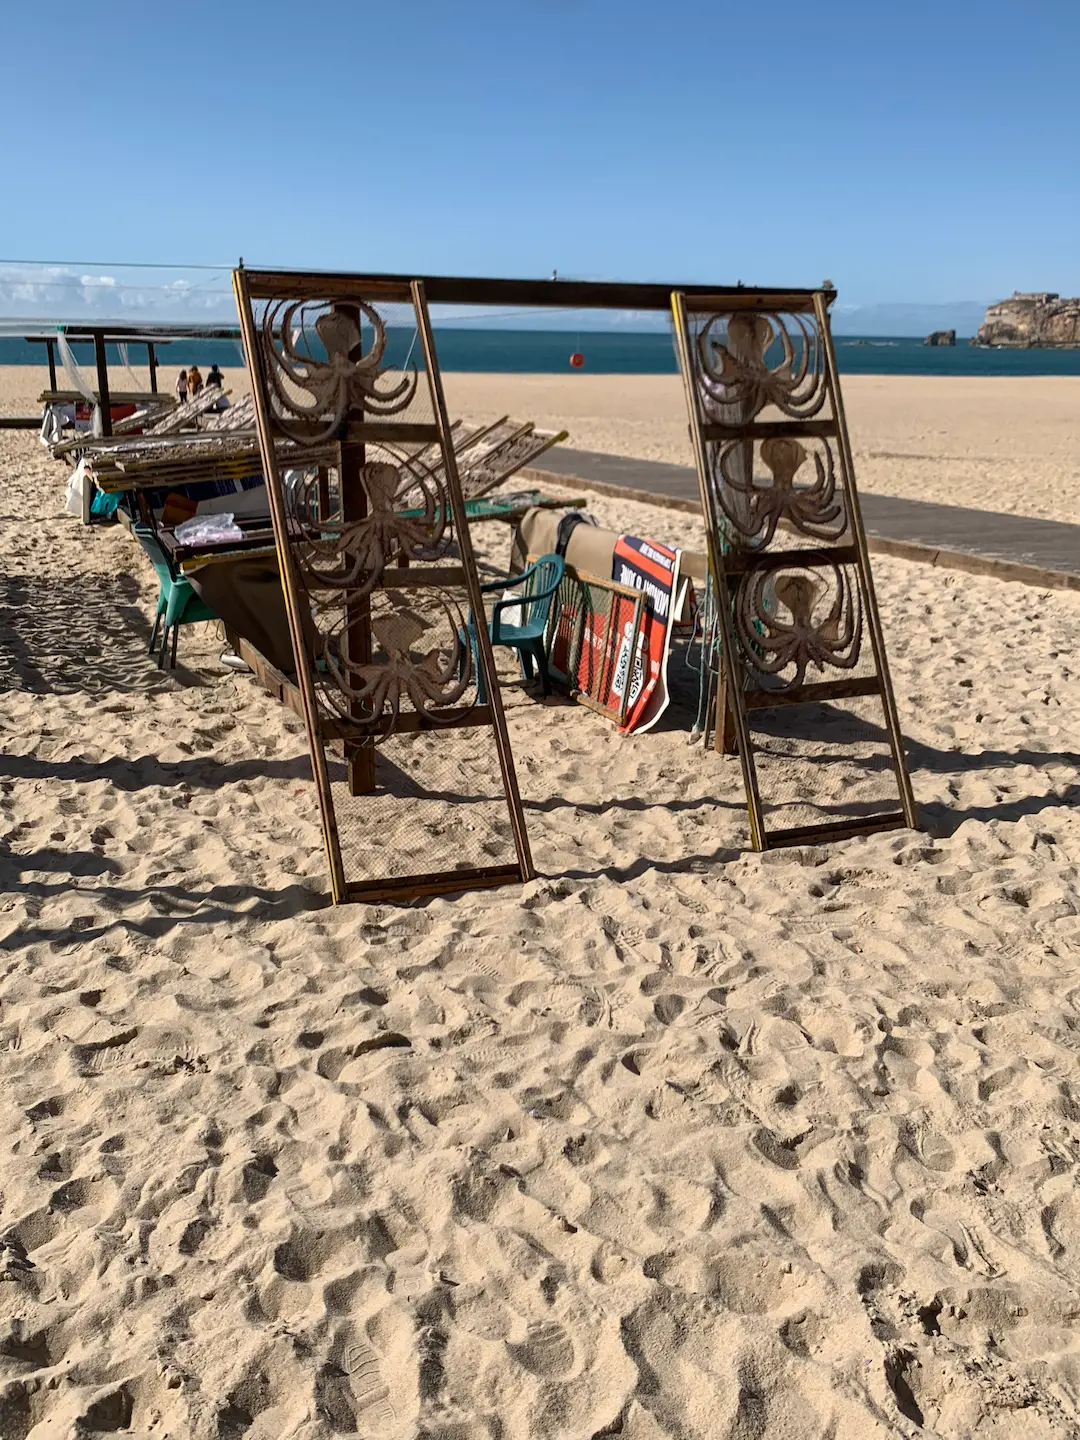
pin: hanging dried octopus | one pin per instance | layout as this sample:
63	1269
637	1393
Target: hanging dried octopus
755	509
437	677
353	555
834	639
346	380
736	380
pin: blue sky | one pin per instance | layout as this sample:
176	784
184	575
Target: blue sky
920	151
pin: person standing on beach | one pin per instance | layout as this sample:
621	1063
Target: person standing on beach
214	381
181	387
195	381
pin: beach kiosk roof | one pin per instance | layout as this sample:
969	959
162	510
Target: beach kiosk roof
109	332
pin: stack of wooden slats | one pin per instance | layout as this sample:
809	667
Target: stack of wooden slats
188	413
151	463
144	417
240	416
487	455
498	455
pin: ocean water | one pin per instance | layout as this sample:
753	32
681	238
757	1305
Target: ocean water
605	353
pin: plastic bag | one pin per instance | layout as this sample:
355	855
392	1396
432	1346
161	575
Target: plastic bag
74	503
209	529
513	614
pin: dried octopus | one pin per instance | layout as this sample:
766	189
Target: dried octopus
737	382
345	381
438	677
755	510
353	555
834	639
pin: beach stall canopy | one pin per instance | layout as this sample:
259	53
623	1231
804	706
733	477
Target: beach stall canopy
57	335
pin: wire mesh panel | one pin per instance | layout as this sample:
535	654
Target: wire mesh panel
821	764
419	794
595	641
797	620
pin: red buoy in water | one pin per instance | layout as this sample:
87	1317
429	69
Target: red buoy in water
577	360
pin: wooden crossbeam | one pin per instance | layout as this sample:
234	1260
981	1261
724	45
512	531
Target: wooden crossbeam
713	433
813	694
836	830
812	557
562	294
443	882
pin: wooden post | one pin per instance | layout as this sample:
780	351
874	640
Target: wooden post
726	739
352	499
103	382
357	635
50	345
152	361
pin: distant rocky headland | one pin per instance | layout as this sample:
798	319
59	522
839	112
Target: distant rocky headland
941	337
1033	320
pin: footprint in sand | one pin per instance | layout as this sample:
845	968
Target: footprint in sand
24	1345
668	1008
1023	1322
481	1313
257	1176
783	1153
547	1351
110	1411
371	1394
47	1109
193	1234
98	1057
608	1265
747	1282
927	1146
332	1063
74	1194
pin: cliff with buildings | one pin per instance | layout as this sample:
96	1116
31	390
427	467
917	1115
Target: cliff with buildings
1025	320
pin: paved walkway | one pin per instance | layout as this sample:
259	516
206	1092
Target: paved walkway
1043	552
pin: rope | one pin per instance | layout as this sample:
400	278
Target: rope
710	643
121	264
121	346
707	635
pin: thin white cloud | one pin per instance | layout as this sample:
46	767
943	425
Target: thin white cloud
57	293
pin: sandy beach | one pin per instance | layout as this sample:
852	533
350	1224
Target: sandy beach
1011	444
674	1141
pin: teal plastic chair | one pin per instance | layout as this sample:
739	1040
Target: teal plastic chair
177	605
536	588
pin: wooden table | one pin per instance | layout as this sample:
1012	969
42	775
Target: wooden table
258	531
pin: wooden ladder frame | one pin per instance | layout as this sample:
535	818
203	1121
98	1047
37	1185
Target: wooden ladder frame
733	700
357	735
